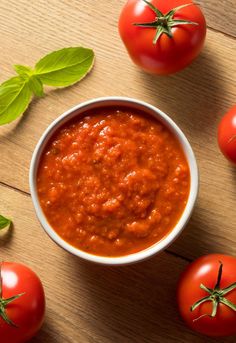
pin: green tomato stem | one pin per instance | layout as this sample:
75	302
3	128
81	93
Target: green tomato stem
4	302
164	22
216	296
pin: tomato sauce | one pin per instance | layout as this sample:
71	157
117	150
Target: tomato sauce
113	182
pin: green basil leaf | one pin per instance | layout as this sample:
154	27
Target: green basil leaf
15	96
4	222
23	70
60	68
36	85
64	67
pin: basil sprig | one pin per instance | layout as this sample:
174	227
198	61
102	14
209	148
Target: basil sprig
60	68
4	222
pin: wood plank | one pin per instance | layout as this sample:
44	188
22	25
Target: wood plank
212	226
194	98
131	304
90	303
220	16
74	14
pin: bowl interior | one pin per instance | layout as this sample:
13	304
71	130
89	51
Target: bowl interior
150	110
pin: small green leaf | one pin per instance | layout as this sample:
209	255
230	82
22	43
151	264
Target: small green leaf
174	10
5	317
154	9
199	302
36	85
15	96
228	289
4	222
3	305
207	289
9	300
228	303
176	22
23	70
64	67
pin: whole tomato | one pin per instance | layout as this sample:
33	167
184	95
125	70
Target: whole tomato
162	36
227	135
206	295
22	303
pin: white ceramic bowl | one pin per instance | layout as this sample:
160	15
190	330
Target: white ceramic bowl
162	117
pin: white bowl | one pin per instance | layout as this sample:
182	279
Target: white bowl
162	117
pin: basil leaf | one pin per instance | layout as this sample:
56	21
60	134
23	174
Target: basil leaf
4	222
60	68
15	96
64	67
23	70
36	85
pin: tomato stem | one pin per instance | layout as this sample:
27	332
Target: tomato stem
164	22
228	289
216	296
217	286
199	302
228	303
208	290
4	302
154	9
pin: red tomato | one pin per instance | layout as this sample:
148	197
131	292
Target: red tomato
201	318
227	135
25	314
175	48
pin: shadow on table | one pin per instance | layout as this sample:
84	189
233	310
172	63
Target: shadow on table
195	98
45	335
233	171
187	245
194	93
6	236
202	234
135	303
18	125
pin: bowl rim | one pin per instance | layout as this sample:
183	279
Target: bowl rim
158	114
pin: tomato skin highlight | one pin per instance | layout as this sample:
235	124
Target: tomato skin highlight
168	55
204	270
26	312
227	135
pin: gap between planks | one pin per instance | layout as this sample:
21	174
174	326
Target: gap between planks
168	251
14	188
223	33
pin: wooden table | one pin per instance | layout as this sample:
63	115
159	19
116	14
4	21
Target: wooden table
89	303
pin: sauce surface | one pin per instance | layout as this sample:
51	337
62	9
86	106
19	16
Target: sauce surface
113	182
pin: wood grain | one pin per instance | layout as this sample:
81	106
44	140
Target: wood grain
194	98
220	15
88	303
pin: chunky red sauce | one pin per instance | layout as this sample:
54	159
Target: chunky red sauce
113	182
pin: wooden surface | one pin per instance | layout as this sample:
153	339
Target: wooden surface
87	303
